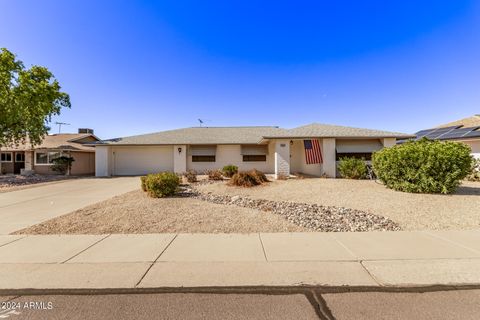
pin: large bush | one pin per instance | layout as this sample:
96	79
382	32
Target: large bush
352	168
63	164
162	184
229	170
423	166
474	174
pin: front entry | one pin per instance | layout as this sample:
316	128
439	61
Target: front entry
19	162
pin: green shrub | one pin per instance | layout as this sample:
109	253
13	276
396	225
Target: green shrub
162	184
423	166
243	179
474	174
214	174
230	170
352	168
143	183
190	175
259	176
62	164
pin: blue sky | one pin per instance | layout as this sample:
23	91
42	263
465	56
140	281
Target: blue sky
135	67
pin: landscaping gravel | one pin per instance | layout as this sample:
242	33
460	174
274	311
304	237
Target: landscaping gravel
10	182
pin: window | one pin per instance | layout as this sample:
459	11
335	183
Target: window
203	158
19	157
46	157
6	157
248	158
366	156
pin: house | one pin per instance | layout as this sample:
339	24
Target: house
465	130
24	158
312	149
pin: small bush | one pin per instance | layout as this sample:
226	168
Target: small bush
475	172
243	179
162	184
143	183
62	164
284	177
352	168
214	174
423	166
259	176
230	170
190	175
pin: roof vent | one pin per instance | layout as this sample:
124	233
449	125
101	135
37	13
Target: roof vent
85	130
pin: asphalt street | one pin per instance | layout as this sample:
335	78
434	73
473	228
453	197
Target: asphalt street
311	304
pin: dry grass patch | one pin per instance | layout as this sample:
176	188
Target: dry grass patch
135	212
460	210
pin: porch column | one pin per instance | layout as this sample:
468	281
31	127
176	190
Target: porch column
28	160
179	158
103	159
389	142
329	162
282	158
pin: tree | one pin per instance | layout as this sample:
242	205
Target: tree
28	100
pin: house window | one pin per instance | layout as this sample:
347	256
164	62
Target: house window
6	157
19	157
251	158
46	157
203	158
365	156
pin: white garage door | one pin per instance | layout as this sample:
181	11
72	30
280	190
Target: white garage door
142	160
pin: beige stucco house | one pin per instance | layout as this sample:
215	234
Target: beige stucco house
38	159
269	149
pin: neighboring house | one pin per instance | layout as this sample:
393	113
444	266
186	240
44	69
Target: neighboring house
465	130
312	149
39	159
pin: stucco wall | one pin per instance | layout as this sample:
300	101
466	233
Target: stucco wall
231	154
298	162
475	146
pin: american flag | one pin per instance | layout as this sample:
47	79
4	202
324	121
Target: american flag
313	152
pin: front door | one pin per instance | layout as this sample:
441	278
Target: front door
18	162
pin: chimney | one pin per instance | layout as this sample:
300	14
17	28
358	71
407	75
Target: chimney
85	130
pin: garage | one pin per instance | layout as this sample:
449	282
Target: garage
129	161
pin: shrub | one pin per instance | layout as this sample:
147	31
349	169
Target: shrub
214	174
162	184
424	166
230	170
474	174
62	164
190	175
259	176
243	179
284	177
352	168
143	183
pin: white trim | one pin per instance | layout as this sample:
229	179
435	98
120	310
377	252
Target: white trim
7	152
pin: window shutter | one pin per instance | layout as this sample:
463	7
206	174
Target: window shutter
254	150
202	150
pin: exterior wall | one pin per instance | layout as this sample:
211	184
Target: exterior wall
298	163
231	154
103	161
141	160
475	146
282	158
179	158
329	155
7	167
389	142
84	163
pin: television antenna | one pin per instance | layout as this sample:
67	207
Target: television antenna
60	124
200	121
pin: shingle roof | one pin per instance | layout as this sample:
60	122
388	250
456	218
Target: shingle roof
199	135
319	130
246	135
64	141
472	121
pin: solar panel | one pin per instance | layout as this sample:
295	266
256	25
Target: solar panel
472	134
423	133
459	133
437	133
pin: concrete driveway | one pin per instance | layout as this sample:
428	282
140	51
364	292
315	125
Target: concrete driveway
23	208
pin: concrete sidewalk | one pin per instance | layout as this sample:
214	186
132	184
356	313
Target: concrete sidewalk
26	207
220	260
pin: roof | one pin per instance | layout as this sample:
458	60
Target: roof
450	133
63	141
320	130
472	121
199	135
246	135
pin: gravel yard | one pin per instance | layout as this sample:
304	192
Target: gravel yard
16	182
410	211
135	212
